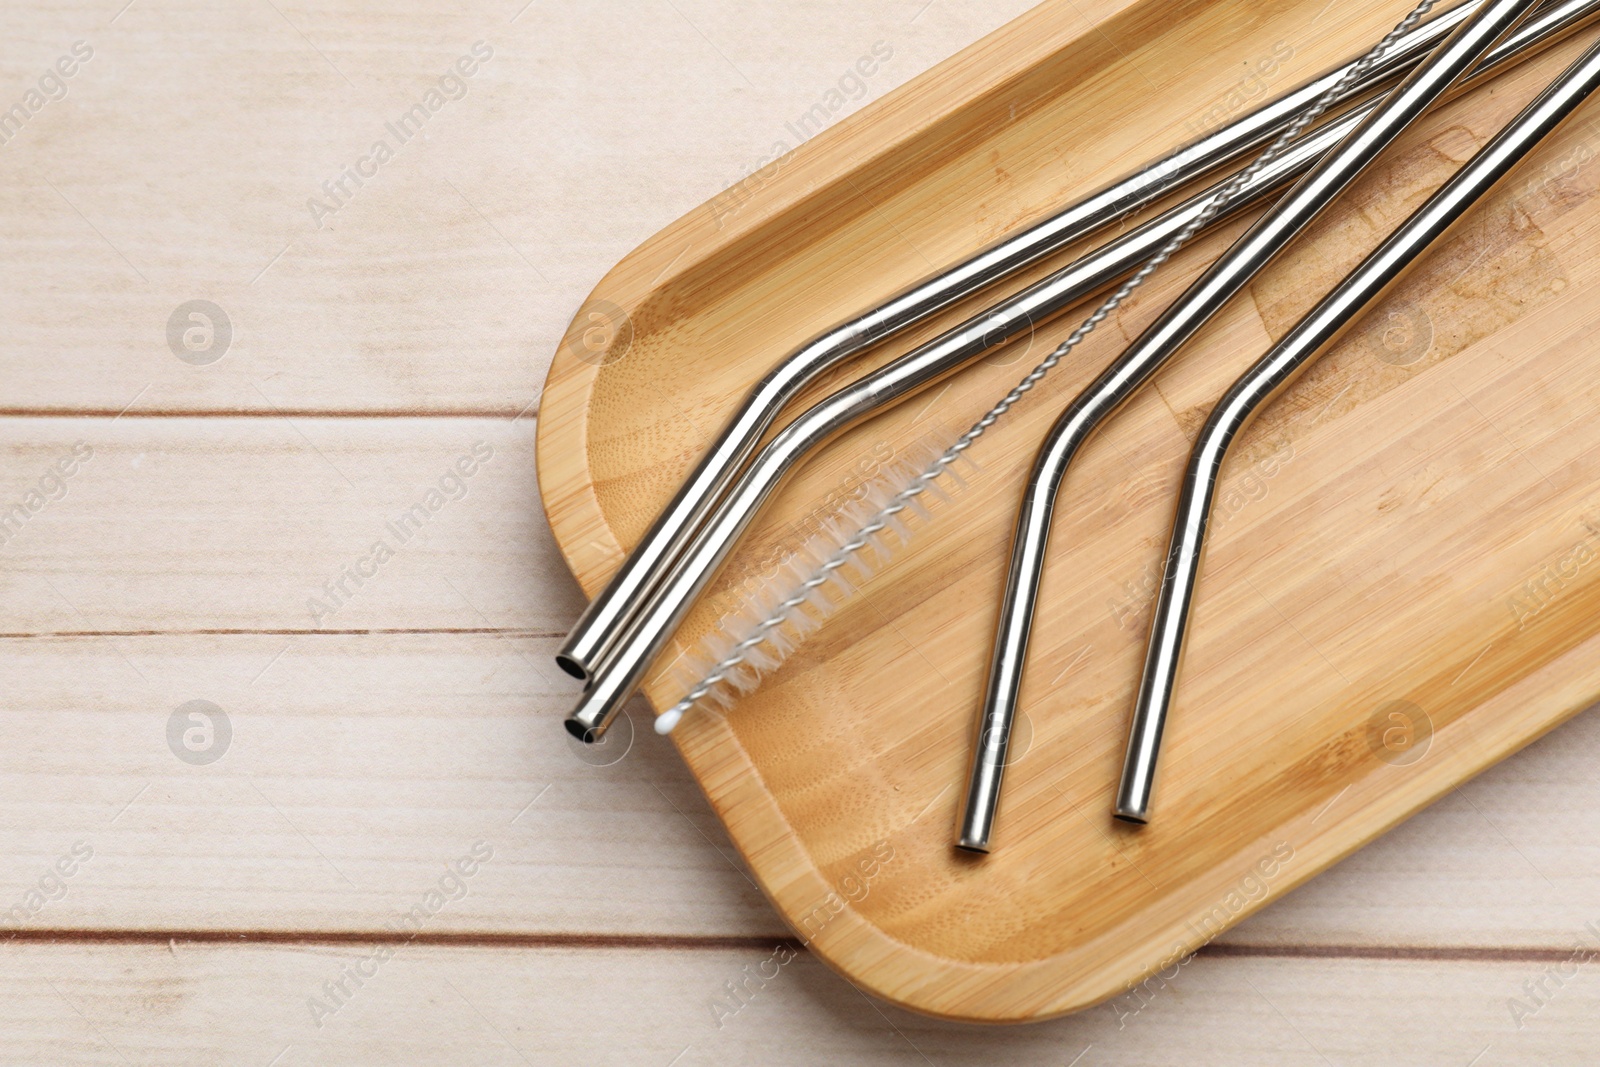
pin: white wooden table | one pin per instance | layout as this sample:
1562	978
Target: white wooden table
370	841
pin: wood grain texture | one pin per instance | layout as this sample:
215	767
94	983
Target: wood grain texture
180	163
413	722
1387	523
360	764
274	523
187	1003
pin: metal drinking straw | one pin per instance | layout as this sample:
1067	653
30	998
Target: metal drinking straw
1281	366
1242	261
668	603
612	611
1546	26
932	361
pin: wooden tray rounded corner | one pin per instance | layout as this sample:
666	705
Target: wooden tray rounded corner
1377	510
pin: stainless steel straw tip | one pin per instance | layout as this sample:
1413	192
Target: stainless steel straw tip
976	828
1138	771
571	666
592	717
587	734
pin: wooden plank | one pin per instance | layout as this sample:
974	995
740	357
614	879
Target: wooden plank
358	765
276	523
351	771
207	1003
182	160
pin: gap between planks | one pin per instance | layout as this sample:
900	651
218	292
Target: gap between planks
715	943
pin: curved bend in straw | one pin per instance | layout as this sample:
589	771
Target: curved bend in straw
1258	247
664	608
1278	368
590	644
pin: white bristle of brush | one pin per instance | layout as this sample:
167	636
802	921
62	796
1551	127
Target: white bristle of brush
812	584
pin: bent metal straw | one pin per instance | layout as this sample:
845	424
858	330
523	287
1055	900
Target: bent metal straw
1259	246
1312	336
926	365
778	612
594	637
664	609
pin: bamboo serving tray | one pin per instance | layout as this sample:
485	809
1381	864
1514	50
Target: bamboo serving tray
1401	586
